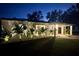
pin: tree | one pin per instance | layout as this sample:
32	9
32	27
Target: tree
72	16
35	16
5	35
24	28
31	30
54	16
42	30
18	29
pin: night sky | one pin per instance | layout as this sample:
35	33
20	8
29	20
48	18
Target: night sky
21	10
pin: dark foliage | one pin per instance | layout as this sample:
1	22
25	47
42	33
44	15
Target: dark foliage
54	16
35	16
72	16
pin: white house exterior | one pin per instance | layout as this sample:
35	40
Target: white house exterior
60	29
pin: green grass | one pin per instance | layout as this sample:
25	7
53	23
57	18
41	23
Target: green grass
44	46
66	47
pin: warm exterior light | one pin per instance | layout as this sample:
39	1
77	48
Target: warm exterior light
6	38
30	30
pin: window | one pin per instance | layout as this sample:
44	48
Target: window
59	30
67	29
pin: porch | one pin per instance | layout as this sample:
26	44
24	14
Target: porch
58	29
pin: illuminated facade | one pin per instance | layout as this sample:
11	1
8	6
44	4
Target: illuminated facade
61	29
49	29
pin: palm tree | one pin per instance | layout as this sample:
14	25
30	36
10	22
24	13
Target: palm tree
31	32
24	28
42	30
5	35
18	30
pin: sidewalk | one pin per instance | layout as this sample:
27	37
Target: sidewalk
70	37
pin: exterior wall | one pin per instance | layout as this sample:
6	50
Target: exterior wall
55	27
49	26
40	26
7	24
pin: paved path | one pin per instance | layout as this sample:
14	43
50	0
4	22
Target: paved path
70	37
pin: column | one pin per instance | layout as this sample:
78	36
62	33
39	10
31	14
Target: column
70	30
62	30
56	29
36	27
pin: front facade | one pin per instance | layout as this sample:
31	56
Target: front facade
49	29
61	29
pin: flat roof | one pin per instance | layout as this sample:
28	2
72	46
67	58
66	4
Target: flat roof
21	19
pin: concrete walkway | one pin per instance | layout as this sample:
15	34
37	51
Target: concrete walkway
69	37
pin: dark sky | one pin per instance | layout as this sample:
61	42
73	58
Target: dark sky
20	10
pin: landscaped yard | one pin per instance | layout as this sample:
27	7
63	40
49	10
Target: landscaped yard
44	46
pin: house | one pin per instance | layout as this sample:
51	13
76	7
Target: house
51	29
62	29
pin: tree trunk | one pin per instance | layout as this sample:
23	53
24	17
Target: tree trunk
25	33
31	36
20	37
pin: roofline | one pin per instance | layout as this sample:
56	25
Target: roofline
21	19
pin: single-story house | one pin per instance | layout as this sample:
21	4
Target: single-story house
60	29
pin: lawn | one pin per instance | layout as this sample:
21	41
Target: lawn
66	47
42	47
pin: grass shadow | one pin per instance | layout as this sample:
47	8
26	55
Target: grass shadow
27	47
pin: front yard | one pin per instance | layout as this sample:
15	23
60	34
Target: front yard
42	47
